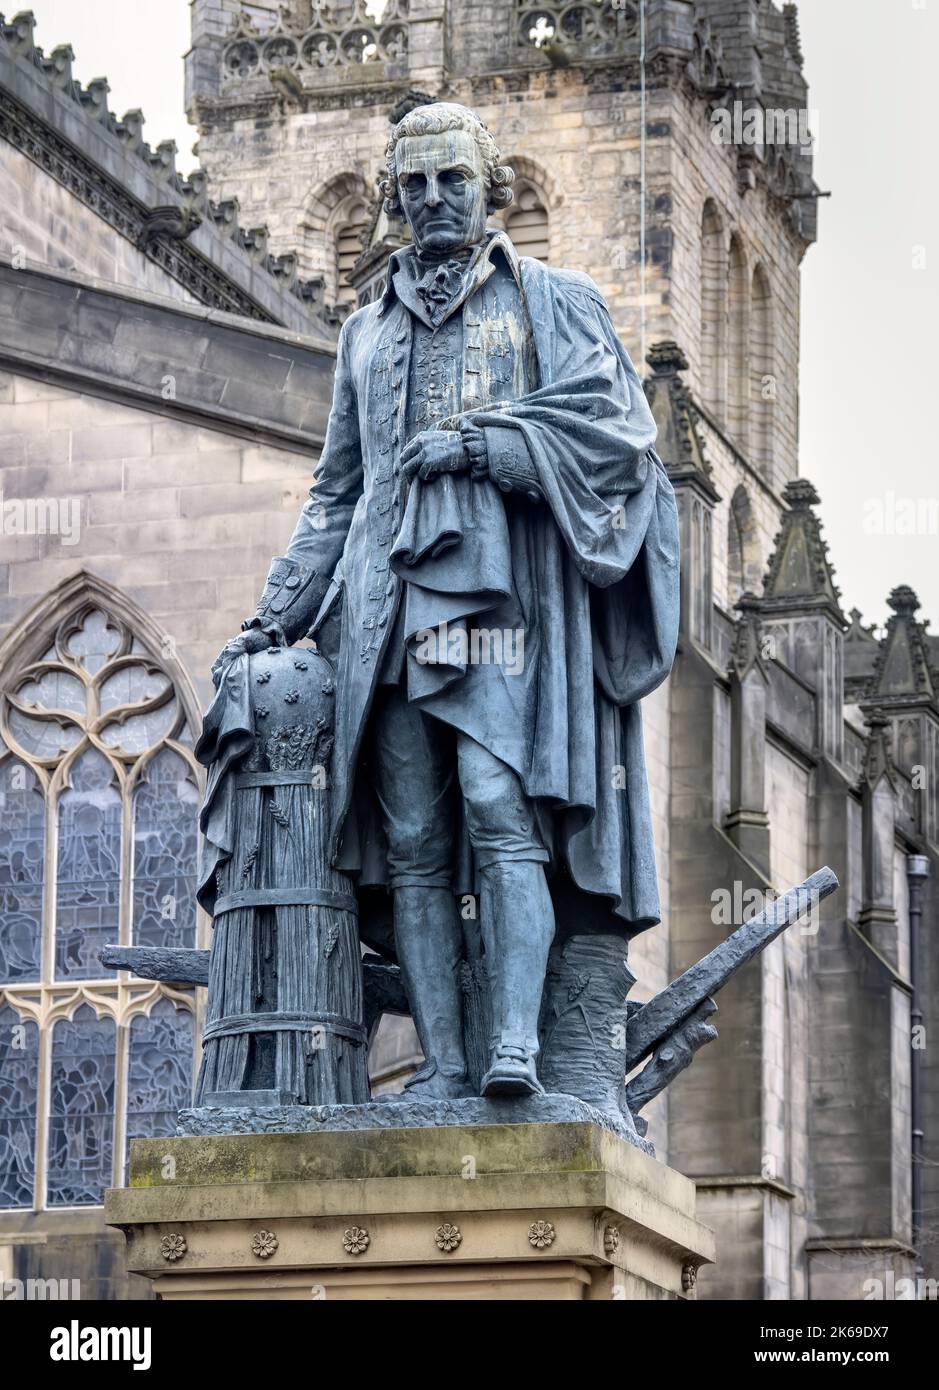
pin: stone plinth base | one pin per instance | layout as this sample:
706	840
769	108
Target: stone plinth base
221	1116
533	1211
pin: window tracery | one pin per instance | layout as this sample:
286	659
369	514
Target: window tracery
99	793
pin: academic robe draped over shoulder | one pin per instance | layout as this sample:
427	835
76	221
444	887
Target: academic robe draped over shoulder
576	562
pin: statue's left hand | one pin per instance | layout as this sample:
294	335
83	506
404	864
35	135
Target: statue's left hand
433	452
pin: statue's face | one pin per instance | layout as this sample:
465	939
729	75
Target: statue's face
441	180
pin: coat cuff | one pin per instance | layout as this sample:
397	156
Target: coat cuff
283	610
510	464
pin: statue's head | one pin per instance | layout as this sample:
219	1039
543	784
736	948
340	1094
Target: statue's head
444	175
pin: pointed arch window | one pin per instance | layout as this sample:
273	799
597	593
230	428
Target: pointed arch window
713	312
526	221
99	793
738	316
349	236
744	564
763	373
336	219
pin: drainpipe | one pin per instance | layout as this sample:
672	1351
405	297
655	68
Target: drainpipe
917	872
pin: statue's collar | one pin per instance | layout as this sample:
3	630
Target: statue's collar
406	262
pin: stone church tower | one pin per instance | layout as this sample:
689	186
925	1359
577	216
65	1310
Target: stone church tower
660	147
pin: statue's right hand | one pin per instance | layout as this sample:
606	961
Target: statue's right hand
254	640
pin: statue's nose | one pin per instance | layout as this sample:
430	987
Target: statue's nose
431	192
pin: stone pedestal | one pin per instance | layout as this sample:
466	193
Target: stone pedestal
535	1211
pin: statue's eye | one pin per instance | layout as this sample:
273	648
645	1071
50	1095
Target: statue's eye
412	183
454	177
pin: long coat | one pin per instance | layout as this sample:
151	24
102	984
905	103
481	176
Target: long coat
594	571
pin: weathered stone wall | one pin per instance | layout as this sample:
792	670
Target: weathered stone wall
742	1123
50	226
786	1024
72	1246
183	519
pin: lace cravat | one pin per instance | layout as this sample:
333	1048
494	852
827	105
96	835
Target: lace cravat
439	285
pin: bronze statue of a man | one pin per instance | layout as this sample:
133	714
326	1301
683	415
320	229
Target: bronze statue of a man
489	557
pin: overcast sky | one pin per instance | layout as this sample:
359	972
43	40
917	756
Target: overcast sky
870	302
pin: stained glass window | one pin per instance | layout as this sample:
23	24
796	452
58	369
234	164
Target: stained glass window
95	756
135	733
19	1082
159	1078
43	738
22	831
88	885
165	848
81	1110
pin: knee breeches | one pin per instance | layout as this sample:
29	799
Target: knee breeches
421	766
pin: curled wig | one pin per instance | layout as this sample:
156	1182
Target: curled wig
435	119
